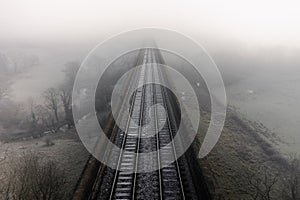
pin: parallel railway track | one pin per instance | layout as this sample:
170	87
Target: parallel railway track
170	181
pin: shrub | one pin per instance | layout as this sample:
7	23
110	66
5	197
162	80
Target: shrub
32	177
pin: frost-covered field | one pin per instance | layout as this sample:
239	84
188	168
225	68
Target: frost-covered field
67	151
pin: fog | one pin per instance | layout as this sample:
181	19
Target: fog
263	84
256	46
47	73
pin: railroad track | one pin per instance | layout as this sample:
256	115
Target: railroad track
170	181
165	183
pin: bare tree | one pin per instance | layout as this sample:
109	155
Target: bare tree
71	69
66	99
33	178
34	120
262	184
66	88
291	180
52	102
46	119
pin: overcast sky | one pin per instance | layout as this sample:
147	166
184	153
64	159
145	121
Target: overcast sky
259	22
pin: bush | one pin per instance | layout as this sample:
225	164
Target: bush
48	142
34	178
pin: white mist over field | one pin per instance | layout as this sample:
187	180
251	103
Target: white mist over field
47	73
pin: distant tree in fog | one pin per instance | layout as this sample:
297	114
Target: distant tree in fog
2	93
34	120
6	66
70	71
52	102
46	119
56	110
66	89
21	61
66	98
